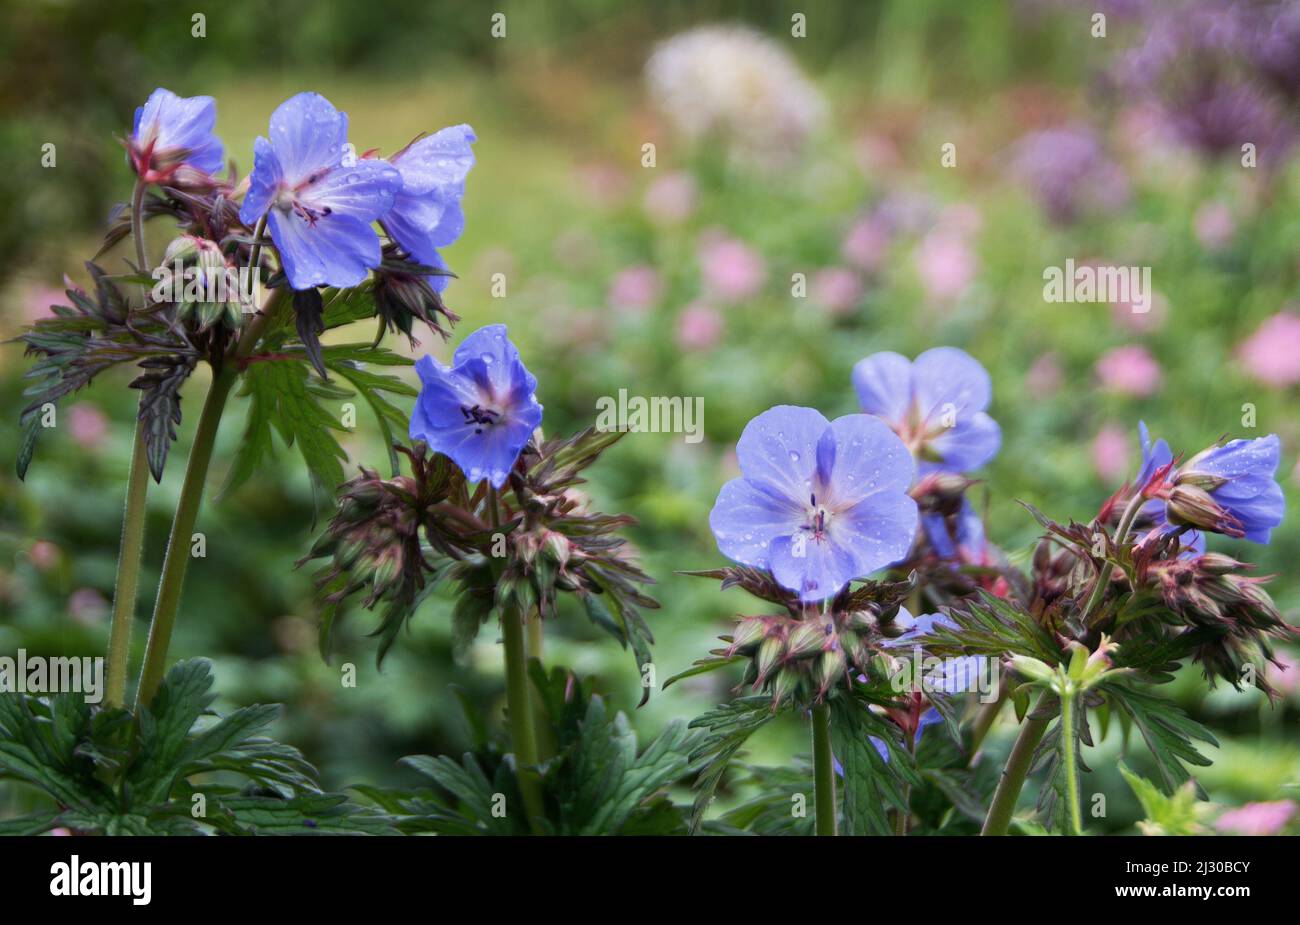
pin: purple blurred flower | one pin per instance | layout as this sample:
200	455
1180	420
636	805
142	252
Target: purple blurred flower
960	538
426	213
320	208
935	404
1229	489
1214	225
481	410
1129	370
1045	375
170	131
819	502
1272	354
1069	173
867	243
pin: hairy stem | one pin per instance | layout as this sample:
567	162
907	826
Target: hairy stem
187	507
519	707
823	770
126	584
1013	777
1070	759
1103	576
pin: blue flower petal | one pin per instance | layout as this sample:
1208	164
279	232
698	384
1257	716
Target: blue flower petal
883	382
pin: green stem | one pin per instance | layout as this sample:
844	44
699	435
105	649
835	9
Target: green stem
1069	758
187	508
1107	567
178	542
823	770
541	721
126	584
519	709
1013	775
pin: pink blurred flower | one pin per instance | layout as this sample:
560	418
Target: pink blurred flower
1214	225
1110	453
44	555
1272	354
87	606
699	327
88	425
1257	818
635	289
604	184
37	299
1285	675
1129	370
837	289
877	154
732	270
946	263
671	198
1045	375
866	244
1124	316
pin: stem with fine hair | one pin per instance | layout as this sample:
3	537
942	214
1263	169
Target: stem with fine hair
126	584
823	769
187	508
1013	777
519	708
1069	758
1031	733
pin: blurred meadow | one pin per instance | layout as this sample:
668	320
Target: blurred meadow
792	222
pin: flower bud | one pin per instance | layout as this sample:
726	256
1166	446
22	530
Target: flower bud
747	633
1192	505
807	638
1031	668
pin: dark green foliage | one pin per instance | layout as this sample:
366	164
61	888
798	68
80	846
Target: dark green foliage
107	778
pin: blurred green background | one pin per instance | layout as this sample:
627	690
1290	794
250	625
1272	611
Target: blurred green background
681	278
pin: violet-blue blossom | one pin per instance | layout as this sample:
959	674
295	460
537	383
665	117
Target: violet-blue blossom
819	502
935	404
481	410
426	214
319	198
960	538
1229	489
171	130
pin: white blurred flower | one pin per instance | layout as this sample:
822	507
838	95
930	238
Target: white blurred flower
737	85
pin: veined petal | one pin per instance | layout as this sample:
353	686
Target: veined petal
869	457
948	379
309	134
973	442
813	569
365	190
335	250
177	122
779	449
492	357
262	183
883	382
747	517
878	530
436	162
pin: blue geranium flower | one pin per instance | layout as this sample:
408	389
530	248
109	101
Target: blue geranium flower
426	214
481	410
819	502
171	130
1229	489
935	404
962	541
320	201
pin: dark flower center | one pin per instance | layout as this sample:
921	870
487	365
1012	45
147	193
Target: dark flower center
480	417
